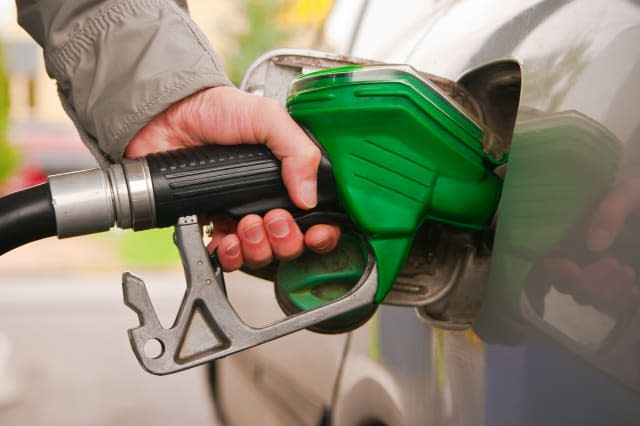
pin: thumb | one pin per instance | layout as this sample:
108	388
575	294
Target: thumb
300	157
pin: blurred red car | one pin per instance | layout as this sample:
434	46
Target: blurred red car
45	149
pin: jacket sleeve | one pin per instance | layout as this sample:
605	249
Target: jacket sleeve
118	63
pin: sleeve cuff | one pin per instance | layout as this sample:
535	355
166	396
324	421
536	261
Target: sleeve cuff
127	63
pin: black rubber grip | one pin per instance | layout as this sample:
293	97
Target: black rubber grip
226	180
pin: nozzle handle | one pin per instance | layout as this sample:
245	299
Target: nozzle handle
225	180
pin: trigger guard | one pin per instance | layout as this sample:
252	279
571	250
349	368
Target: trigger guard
307	220
337	325
313	280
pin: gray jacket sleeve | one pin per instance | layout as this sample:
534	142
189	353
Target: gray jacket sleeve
118	63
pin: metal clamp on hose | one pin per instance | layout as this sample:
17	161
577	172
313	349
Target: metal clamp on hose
95	200
83	202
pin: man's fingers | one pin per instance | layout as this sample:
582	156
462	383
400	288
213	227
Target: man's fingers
225	240
611	214
230	253
564	273
322	238
287	241
256	249
259	240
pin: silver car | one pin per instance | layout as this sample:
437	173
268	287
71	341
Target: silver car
540	323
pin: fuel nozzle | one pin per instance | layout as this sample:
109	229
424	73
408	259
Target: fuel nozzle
398	152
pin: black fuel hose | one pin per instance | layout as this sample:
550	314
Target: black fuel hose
26	216
154	191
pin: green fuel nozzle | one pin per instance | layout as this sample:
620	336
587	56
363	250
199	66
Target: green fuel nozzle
398	152
402	152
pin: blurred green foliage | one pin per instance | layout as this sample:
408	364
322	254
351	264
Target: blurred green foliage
150	249
8	155
263	35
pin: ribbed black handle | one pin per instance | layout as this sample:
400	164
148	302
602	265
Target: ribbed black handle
228	180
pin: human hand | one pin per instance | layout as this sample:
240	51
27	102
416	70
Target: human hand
605	277
229	116
606	283
611	214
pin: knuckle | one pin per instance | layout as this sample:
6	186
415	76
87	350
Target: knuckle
277	213
248	222
313	154
289	251
271	105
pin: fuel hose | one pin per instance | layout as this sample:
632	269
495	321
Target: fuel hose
26	216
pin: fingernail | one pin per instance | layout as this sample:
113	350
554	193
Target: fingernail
254	234
599	239
233	250
278	227
308	193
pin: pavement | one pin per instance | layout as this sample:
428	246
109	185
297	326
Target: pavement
64	354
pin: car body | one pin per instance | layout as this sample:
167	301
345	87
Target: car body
556	339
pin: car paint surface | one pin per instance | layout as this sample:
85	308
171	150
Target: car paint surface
289	381
557	340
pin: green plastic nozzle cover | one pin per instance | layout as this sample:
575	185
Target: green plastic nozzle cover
401	151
